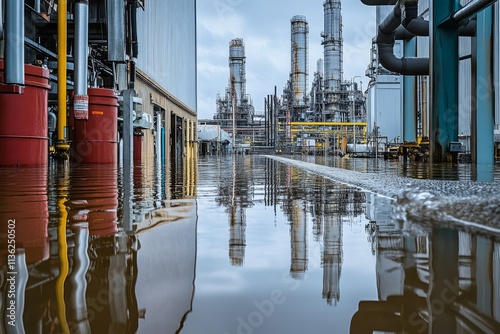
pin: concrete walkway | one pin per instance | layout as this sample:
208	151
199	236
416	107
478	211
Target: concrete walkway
466	204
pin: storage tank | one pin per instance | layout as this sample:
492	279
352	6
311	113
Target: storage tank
24	121
299	59
95	139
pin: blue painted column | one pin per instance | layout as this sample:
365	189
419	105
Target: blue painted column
443	80
484	276
485	102
409	115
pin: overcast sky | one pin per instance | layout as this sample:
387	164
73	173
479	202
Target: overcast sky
264	26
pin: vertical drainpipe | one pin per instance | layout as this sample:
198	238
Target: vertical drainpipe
14	42
409	115
81	46
62	34
443	81
485	102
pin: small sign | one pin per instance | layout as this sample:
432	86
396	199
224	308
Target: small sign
455	147
96	112
81	106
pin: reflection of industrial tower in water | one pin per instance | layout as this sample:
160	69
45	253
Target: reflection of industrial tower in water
298	235
332	256
342	201
235	194
237	240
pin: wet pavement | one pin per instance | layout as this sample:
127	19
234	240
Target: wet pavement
249	244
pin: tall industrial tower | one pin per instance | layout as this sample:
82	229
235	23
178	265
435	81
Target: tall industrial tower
299	65
332	41
235	103
237	76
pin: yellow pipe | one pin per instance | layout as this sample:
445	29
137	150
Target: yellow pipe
326	123
63	269
62	35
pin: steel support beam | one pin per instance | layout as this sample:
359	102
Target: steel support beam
483	275
485	99
409	105
443	262
443	81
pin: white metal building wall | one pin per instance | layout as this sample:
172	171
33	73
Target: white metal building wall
167	46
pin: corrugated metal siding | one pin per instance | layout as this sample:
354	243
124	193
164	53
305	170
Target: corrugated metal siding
388	106
464	97
167	46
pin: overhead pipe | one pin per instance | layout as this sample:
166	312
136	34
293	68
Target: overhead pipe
62	34
14	42
390	29
385	45
470	9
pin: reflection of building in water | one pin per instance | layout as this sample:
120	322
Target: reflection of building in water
439	281
166	263
298	236
89	274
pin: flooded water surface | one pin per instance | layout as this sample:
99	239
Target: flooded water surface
243	244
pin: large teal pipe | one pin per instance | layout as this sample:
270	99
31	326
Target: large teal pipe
443	80
485	111
409	115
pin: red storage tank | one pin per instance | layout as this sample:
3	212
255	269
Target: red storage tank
95	139
23	120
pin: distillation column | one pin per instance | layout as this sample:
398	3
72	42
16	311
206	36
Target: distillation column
332	42
299	65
